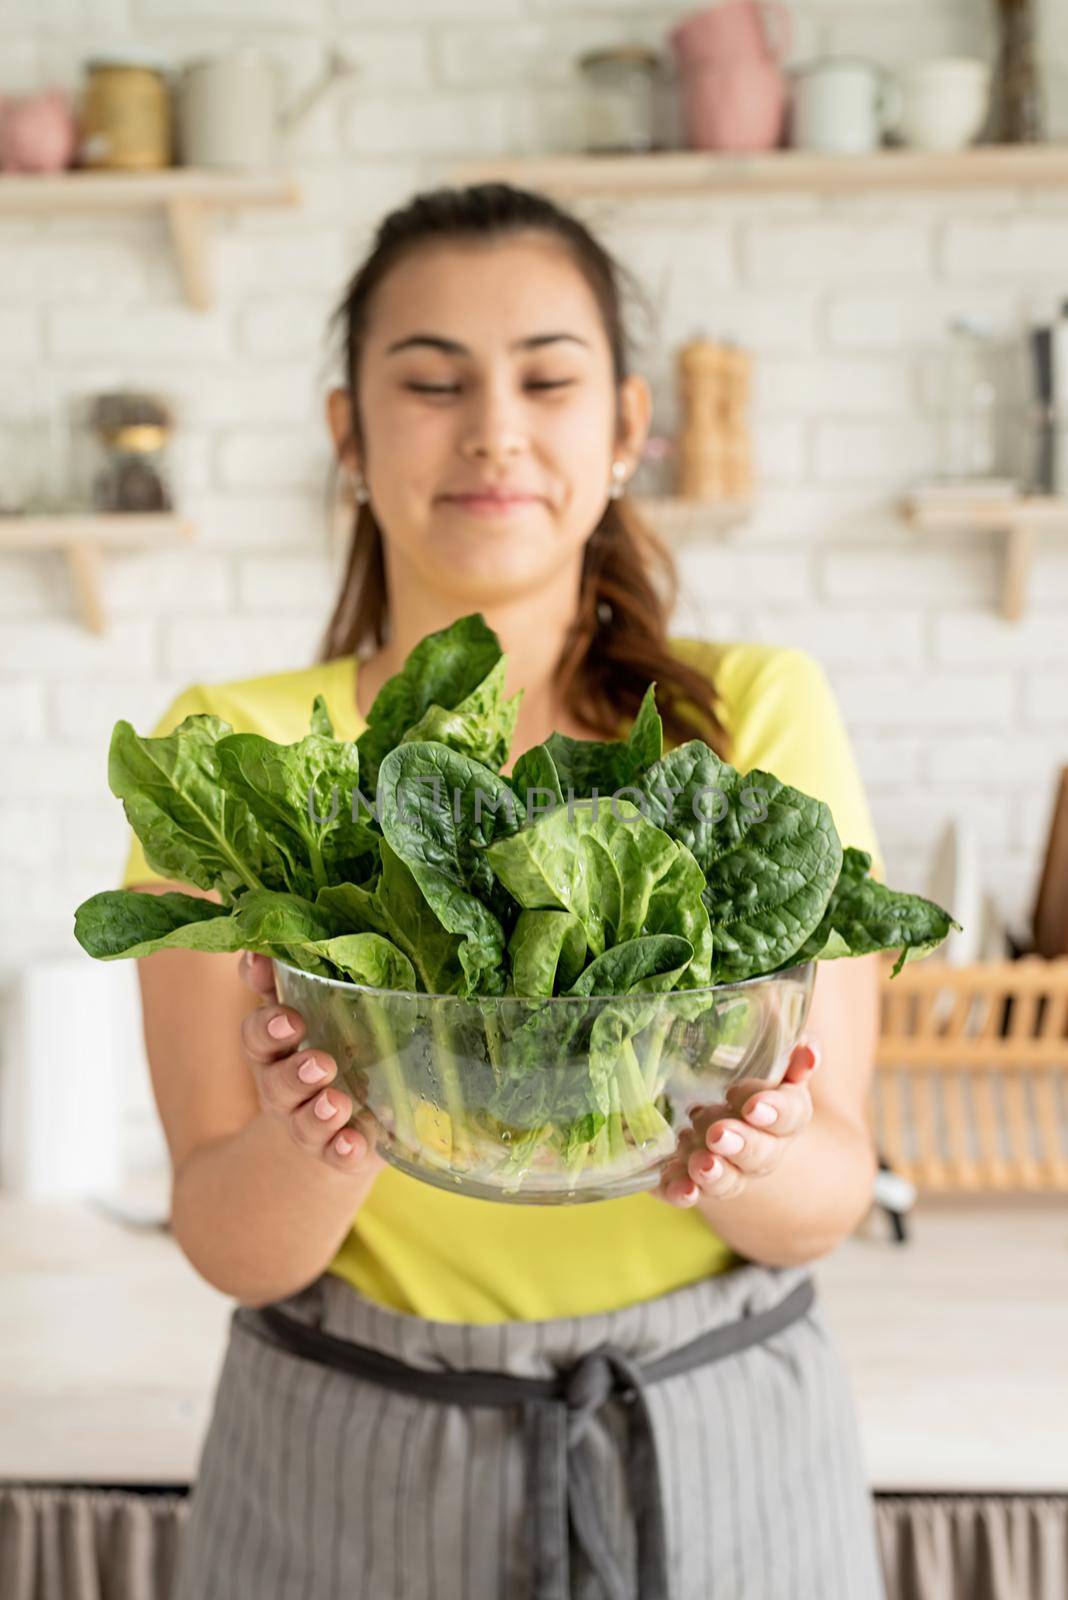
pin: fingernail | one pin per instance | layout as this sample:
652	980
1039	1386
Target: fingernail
806	1056
310	1071
346	1143
763	1114
711	1166
727	1142
323	1107
280	1027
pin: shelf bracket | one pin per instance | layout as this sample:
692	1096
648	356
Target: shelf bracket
1019	545
86	564
185	218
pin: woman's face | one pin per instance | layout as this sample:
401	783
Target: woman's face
487	368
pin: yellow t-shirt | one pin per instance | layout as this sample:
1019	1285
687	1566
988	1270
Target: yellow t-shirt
447	1257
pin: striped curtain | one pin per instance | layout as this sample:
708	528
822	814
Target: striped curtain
117	1544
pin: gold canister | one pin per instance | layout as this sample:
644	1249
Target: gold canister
126	116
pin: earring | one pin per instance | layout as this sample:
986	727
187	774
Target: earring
360	492
619	474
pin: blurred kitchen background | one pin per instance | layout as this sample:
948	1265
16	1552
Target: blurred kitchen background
849	219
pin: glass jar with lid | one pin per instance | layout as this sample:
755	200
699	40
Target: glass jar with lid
621	84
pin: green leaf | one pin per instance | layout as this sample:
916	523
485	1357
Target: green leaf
125	922
320	718
536	782
370	959
439	810
547	950
286	927
191	827
617	873
863	916
584	766
481	726
650	963
770	855
397	908
302	795
443	669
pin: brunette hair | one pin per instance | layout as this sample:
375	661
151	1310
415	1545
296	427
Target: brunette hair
618	643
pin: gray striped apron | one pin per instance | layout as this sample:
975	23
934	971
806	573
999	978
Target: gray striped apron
702	1444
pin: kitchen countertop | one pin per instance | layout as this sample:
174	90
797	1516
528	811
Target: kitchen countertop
956	1345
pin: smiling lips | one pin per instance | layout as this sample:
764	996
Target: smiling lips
491	505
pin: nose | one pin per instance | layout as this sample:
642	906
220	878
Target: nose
493	427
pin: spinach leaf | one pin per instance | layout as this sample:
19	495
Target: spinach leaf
443	669
301	794
320	718
588	766
192	828
536	783
438	810
863	916
547	949
481	726
769	853
369	959
123	922
650	963
396	907
617	873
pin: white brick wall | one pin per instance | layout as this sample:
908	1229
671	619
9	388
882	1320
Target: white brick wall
842	301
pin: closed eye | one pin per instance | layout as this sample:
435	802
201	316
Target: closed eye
432	388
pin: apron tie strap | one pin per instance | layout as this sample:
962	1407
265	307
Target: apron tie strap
562	1481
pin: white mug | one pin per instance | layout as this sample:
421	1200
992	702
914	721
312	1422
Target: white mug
943	102
841	107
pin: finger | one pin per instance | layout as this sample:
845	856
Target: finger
354	1147
284	1085
804	1059
269	1032
676	1187
750	1152
258	972
319	1119
702	1118
714	1175
779	1112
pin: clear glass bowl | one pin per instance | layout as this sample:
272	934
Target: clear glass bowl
545	1101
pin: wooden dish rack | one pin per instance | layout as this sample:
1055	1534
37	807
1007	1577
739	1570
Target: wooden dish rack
971	1082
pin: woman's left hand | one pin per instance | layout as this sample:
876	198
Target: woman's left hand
730	1144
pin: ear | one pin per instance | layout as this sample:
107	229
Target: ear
339	421
635	418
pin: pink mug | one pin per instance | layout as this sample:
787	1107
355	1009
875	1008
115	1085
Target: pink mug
38	132
732	31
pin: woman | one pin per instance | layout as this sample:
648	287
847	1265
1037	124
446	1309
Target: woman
359	1455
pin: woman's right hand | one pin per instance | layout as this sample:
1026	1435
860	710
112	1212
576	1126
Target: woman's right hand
292	1083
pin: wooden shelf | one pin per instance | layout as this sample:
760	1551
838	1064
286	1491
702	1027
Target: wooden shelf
1018	519
185	195
693	172
83	538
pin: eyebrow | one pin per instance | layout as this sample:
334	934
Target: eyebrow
452	347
